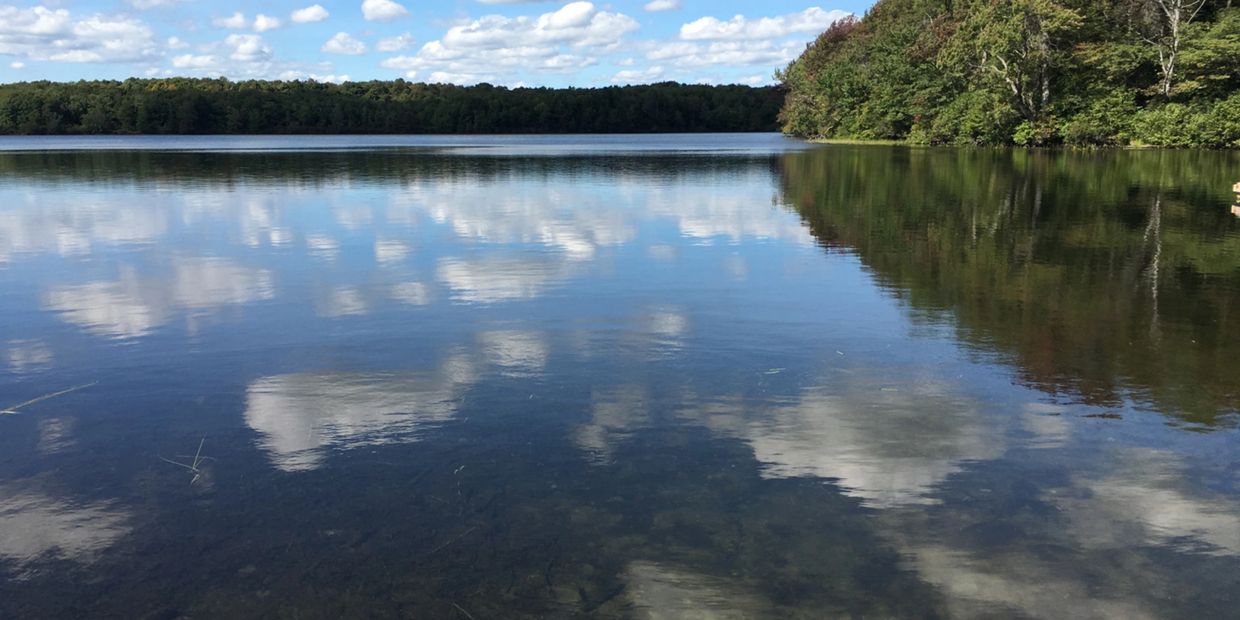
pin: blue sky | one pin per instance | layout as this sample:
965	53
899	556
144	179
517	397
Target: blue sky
510	42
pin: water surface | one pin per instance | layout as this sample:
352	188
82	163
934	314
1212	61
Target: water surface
670	376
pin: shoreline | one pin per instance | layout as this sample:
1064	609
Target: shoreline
1069	147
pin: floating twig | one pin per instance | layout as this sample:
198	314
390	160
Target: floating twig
14	409
193	467
462	610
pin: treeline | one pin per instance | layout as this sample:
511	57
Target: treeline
220	106
1030	72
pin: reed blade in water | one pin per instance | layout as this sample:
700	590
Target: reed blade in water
15	408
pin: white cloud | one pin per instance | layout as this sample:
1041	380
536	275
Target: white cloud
247	48
577	24
638	76
192	61
263	23
655	6
142	5
312	13
247	56
17	64
382	10
175	43
236	21
726	53
40	33
396	43
811	20
562	41
315	77
342	43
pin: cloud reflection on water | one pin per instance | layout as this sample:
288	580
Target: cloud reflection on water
34	525
136	303
299	416
888	447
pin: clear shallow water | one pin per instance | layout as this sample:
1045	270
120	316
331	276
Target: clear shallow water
648	379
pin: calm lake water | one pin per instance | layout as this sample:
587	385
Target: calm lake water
664	377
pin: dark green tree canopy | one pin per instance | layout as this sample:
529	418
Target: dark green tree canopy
1032	72
219	106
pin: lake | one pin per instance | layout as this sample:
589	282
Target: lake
626	376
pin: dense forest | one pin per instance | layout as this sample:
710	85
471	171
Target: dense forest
220	106
1030	72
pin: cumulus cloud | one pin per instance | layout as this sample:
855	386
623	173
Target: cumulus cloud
235	21
726	53
312	13
638	76
811	20
193	61
247	48
343	43
396	43
263	23
577	23
382	10
247	56
561	41
333	78
654	6
143	5
554	45
40	33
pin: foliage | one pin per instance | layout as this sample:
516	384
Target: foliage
1107	121
1029	72
974	117
218	106
1179	125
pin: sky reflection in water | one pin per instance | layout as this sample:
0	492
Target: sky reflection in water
644	382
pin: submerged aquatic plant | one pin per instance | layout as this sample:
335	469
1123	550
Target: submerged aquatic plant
193	467
15	409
